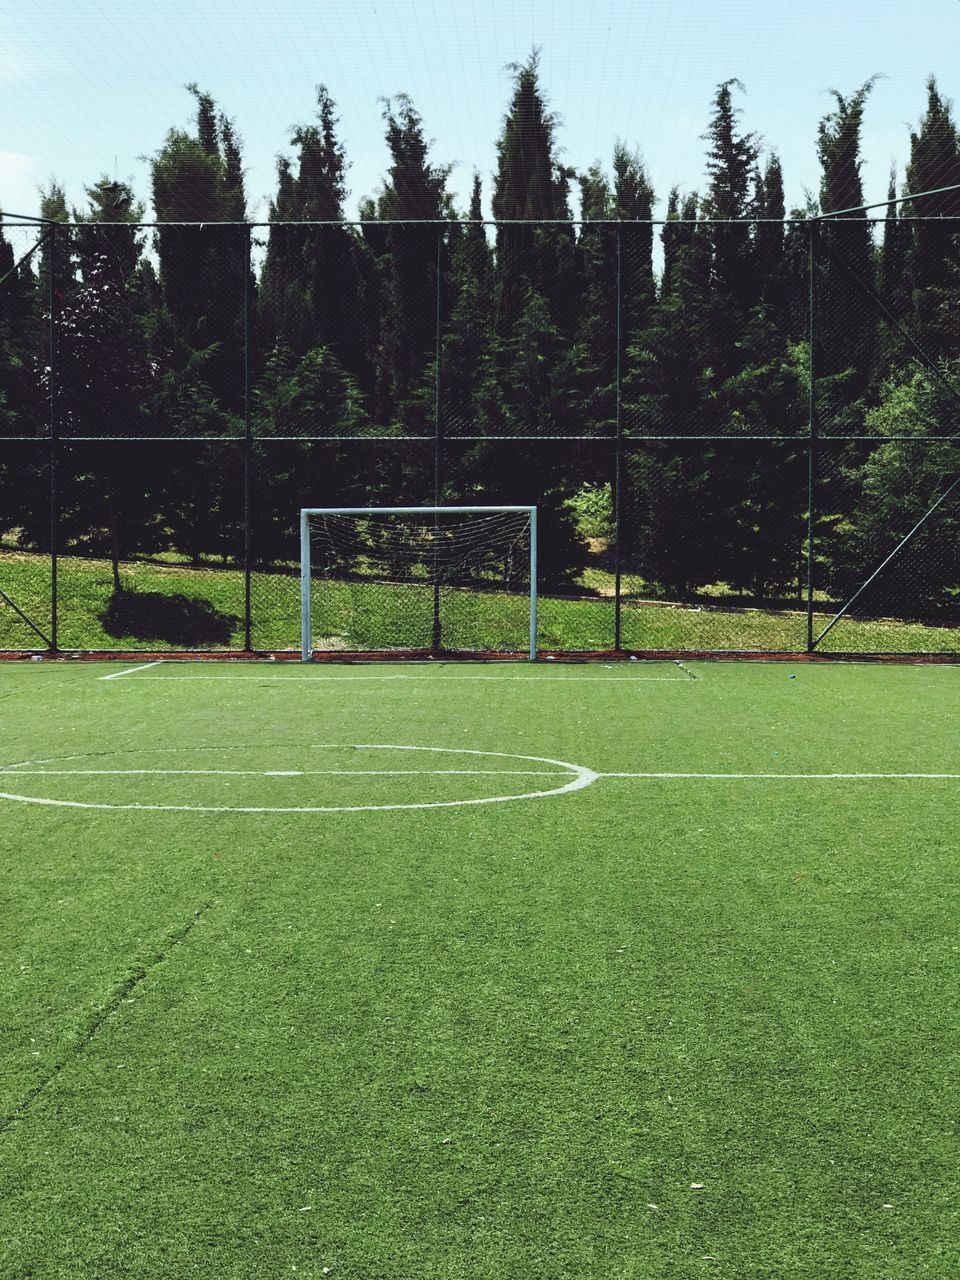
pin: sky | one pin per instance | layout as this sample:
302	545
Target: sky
91	87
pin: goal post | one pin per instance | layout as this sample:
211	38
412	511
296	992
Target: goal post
441	578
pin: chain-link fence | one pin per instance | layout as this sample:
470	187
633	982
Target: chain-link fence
739	437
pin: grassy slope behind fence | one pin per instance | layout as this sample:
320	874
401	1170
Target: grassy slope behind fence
181	606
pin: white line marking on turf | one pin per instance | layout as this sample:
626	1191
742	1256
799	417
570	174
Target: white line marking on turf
383	679
285	773
579	775
115	675
811	777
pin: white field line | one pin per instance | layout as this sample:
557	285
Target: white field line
578	777
808	777
384	679
13	771
115	675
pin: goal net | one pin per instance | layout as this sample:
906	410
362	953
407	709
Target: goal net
394	579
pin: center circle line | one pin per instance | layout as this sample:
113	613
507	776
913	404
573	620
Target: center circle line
574	777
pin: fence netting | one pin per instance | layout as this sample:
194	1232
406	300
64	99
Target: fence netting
151	546
713	545
739	438
25	565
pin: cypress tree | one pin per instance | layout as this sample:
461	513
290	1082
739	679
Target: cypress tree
593	354
672	533
847	317
414	191
57	256
633	198
198	340
892	282
611	260
671	238
53	206
531	184
280	296
207	134
731	166
8	319
891	258
933	249
234	200
24	408
198	178
476	254
113	214
528	183
771	242
537	317
21	411
838	146
107	386
310	283
935	159
470	404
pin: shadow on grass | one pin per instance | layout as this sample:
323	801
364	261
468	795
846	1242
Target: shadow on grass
174	619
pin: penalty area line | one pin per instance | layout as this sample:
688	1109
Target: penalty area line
531	679
115	675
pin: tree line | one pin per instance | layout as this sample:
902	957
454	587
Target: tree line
420	321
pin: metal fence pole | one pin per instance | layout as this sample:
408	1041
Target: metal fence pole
618	450
437	637
247	443
811	424
437	418
54	432
534	589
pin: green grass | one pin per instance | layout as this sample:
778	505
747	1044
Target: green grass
478	1041
165	592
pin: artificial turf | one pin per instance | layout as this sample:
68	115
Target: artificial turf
650	1028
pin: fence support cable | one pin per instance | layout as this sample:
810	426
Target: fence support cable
28	620
905	333
880	568
944	381
20	261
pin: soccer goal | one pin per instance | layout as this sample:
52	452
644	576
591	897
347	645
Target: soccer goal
415	579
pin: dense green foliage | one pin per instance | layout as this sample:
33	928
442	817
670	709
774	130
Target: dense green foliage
421	323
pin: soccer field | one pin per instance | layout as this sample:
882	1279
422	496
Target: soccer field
438	972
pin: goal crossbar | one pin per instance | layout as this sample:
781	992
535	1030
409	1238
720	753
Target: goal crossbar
305	554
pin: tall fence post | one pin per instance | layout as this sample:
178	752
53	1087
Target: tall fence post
437	637
54	432
618	449
812	242
247	443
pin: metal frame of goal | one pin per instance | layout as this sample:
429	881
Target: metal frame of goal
306	628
